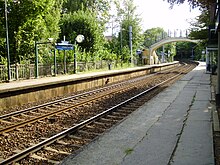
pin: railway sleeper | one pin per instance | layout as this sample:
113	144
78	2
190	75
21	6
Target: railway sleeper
17	151
5	121
89	133
35	113
62	142
78	138
115	117
102	124
92	127
68	144
4	134
134	104
57	151
109	120
24	115
127	109
120	113
34	156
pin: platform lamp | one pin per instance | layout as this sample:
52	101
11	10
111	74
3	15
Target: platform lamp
7	41
79	39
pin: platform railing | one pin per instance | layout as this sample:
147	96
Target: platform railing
27	71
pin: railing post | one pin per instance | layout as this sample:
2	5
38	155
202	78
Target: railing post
16	71
65	70
74	58
36	61
55	63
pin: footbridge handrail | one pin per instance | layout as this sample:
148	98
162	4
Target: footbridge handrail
171	39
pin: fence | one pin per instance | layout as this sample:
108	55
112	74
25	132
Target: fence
27	71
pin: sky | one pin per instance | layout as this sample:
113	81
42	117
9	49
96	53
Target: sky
157	13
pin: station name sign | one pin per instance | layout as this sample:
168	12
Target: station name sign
64	45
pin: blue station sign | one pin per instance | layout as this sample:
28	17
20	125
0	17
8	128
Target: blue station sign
64	45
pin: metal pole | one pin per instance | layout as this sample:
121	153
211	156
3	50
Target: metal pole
55	63
121	40
7	41
74	62
36	60
130	43
64	62
218	74
163	53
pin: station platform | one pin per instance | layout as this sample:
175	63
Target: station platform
36	91
175	128
32	83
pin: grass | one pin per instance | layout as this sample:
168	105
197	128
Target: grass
129	151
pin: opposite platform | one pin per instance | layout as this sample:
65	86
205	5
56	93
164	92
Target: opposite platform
175	127
35	91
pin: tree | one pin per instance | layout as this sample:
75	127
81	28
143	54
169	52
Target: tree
36	20
192	3
206	19
152	35
85	23
100	7
126	17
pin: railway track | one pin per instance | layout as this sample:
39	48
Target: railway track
14	120
51	150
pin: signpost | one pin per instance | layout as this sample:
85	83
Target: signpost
65	45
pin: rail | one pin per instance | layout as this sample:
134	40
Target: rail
80	125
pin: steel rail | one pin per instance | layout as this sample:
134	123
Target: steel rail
73	129
78	95
32	120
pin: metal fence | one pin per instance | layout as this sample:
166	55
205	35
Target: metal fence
27	71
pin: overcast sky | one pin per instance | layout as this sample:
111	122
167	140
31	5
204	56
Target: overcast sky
157	13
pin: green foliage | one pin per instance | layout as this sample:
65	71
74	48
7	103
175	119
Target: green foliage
152	35
3	60
126	16
85	23
184	50
206	19
99	7
36	20
170	49
192	3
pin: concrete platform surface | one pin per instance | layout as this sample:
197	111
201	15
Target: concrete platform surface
174	128
31	83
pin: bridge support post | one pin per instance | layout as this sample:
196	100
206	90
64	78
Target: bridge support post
207	60
218	74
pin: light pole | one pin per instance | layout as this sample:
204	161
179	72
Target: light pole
80	38
7	41
130	43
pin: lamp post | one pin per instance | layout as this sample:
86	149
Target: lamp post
130	43
7	41
80	38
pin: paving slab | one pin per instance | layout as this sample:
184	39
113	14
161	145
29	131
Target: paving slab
175	127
